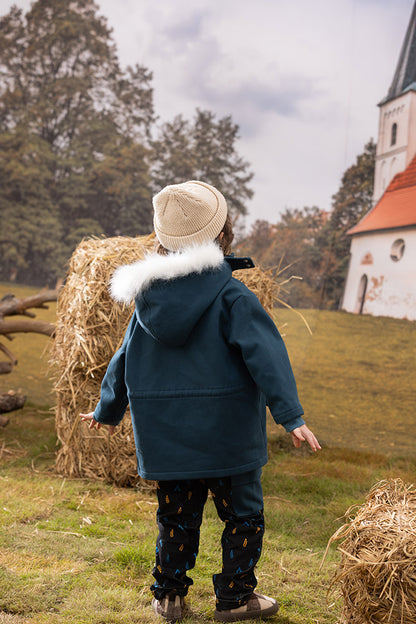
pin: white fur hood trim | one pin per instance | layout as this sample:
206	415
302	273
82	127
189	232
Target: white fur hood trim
130	280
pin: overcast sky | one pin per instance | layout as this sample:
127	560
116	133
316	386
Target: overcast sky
301	78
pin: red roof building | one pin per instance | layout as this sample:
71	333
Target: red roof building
397	206
381	278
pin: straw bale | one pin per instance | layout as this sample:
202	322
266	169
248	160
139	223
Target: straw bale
377	571
90	327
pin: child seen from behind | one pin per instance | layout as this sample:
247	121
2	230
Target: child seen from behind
200	361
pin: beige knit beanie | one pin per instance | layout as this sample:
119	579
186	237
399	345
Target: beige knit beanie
188	214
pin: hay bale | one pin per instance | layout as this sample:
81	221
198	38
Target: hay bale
90	327
377	572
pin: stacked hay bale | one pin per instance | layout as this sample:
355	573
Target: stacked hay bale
377	572
90	327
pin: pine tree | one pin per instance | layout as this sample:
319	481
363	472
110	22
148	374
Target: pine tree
203	149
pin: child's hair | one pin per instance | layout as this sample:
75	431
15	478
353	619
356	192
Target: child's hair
224	241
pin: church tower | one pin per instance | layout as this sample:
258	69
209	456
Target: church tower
396	145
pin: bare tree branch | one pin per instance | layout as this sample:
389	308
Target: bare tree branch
38	327
10	305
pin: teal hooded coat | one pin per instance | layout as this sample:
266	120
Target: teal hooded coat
199	362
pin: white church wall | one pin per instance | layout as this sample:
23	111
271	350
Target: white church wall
381	276
411	129
393	157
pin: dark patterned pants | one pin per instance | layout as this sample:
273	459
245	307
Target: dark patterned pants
239	503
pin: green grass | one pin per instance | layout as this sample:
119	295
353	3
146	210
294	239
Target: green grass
355	376
81	551
75	551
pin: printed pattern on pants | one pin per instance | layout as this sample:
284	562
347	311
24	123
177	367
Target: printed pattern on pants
179	518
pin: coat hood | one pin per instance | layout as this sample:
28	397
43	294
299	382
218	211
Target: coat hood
172	292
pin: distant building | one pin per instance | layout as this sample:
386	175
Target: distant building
382	273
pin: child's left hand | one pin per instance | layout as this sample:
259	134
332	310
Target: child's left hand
304	434
94	423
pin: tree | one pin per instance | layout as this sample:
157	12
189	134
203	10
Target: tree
61	88
203	149
349	204
121	201
76	153
315	244
59	70
30	229
294	244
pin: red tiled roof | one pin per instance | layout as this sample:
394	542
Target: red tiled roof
405	178
396	208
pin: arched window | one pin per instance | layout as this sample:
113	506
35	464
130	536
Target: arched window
393	134
362	291
397	250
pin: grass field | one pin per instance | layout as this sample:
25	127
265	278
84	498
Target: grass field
356	378
78	551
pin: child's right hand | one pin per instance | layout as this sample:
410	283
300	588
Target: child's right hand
94	423
304	434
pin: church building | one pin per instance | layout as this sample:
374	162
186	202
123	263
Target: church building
381	277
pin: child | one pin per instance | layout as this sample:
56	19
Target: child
199	362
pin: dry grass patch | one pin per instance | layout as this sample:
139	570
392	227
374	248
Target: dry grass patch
25	563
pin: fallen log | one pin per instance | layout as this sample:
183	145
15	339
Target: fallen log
10	402
12	306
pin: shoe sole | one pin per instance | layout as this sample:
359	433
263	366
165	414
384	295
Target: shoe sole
168	620
227	616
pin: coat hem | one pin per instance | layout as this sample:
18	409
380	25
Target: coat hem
202	474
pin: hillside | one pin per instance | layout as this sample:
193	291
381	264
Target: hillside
355	377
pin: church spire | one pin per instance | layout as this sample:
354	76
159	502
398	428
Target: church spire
404	78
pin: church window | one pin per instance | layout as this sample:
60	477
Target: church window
393	134
397	250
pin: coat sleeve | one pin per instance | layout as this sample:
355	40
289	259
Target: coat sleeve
113	399
265	355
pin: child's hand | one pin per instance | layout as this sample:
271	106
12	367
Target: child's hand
302	434
94	423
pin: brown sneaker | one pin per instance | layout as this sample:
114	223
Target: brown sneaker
170	607
257	606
